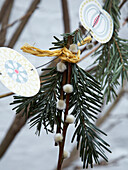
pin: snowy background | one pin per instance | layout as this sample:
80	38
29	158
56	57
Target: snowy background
28	151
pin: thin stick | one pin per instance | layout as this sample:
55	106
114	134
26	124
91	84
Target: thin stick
47	63
65	16
59	116
61	144
121	58
15	127
17	33
104	163
6	95
125	21
101	120
17	20
92	51
123	2
4	8
4	21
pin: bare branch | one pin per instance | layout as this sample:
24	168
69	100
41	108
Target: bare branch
65	16
92	51
125	21
4	8
6	95
123	2
14	129
74	156
20	28
104	163
101	120
4	21
17	20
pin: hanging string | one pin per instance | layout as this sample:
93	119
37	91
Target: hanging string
45	63
95	22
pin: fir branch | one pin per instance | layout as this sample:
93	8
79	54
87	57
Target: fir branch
85	102
111	63
76	37
43	105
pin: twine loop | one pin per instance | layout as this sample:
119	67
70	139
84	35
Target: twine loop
63	54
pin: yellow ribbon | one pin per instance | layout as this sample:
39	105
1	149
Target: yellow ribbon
63	54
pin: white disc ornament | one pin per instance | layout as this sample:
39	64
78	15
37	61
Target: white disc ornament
17	73
96	20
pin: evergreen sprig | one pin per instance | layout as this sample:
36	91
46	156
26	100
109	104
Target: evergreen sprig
76	37
112	61
43	105
84	104
46	111
25	104
86	101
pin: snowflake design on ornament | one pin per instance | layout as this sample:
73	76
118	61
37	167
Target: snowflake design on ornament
16	71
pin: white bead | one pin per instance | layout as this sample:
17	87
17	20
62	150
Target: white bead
58	137
66	154
70	119
61	105
89	46
73	48
68	88
61	67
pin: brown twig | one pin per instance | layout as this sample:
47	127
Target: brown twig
61	144
104	163
101	120
6	95
123	2
121	58
17	20
15	127
4	8
20	28
59	116
73	156
4	22
92	51
66	29
65	16
89	46
125	21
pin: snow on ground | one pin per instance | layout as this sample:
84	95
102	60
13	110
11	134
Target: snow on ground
29	152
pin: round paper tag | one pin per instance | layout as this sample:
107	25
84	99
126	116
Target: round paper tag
96	20
17	73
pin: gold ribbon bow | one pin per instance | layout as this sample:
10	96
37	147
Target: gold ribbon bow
63	54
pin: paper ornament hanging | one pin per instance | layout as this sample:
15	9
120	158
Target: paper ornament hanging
17	73
96	20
